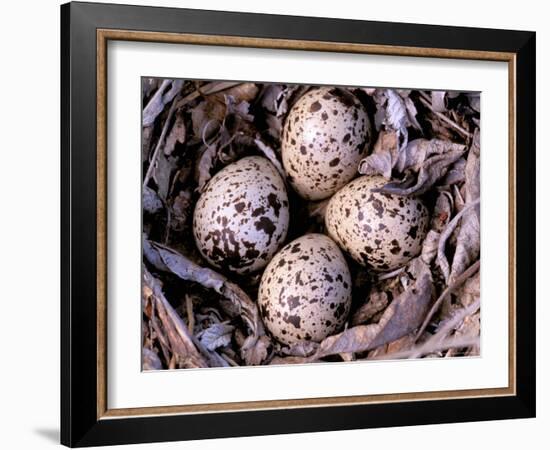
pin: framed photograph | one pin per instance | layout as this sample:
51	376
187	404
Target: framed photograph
277	224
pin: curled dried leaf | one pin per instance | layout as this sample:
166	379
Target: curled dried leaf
401	317
164	95
468	240
431	158
164	258
215	336
383	157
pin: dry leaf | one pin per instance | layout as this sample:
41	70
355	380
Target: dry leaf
205	165
150	360
180	341
162	174
383	157
432	157
164	258
269	153
216	335
254	349
402	316
438	101
164	95
377	302
151	203
468	240
176	135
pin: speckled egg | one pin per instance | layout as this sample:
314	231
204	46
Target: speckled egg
326	134
305	291
241	218
378	230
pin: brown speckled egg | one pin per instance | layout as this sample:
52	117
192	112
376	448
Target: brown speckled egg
325	136
378	230
241	218
305	291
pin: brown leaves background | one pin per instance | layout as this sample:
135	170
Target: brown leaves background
426	144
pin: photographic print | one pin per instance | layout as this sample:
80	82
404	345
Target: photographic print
298	224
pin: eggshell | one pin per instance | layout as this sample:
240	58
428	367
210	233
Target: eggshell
241	219
326	134
378	230
305	291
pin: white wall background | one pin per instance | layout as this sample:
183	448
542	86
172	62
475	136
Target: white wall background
29	273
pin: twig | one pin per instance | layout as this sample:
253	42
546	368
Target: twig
182	342
229	360
441	335
457	318
432	347
190	315
445	118
163	344
458	282
162	137
386	275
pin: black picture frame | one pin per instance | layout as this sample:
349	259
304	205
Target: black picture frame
80	424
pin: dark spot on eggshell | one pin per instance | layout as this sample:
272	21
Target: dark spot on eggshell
293	302
344	96
315	106
339	312
274	203
265	312
258	211
240	206
334	162
377	205
266	225
395	250
294	320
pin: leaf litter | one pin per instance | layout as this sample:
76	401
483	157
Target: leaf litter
426	144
